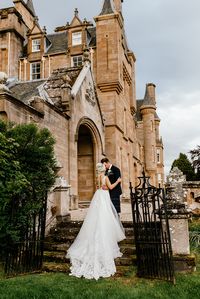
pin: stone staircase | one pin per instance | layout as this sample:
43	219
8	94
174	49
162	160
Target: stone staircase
61	237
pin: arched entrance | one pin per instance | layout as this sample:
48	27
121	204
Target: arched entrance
86	162
3	116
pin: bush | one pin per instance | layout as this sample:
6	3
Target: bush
194	230
26	174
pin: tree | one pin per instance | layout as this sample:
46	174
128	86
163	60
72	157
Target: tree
12	185
185	166
27	166
195	156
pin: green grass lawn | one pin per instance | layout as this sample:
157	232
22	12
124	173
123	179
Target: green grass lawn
63	286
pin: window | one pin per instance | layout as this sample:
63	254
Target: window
151	125
158	155
125	124
153	153
76	38
4	60
159	176
35	71
77	60
35	45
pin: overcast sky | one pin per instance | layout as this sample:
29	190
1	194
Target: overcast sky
165	37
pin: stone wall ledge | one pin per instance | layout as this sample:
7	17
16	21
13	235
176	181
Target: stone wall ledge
184	263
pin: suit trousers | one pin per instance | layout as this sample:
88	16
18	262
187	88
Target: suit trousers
116	202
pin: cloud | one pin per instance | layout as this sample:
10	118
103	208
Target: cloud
179	125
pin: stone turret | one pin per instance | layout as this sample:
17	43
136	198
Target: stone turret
118	5
148	116
107	8
108	32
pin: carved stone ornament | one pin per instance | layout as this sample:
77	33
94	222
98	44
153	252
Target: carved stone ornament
90	95
3	79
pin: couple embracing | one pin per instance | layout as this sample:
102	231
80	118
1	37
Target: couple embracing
93	252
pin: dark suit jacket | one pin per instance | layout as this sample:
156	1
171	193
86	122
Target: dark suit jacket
113	174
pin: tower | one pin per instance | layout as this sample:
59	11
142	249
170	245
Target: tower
13	34
148	116
115	79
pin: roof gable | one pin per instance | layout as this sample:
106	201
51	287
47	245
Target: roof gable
75	21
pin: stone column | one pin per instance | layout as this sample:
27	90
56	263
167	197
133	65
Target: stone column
178	215
179	232
62	200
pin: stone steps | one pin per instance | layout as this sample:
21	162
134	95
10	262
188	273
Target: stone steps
60	257
84	204
63	235
65	268
125	247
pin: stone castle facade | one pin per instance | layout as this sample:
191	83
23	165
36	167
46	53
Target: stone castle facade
80	82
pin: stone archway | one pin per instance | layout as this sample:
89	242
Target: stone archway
3	116
86	164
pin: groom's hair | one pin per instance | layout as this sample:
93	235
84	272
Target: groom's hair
104	160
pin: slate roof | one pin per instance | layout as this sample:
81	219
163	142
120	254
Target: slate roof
92	32
59	42
23	91
139	104
29	4
107	8
59	74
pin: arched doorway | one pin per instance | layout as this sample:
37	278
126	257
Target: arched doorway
3	116
86	162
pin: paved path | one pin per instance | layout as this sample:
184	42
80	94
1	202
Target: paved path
126	214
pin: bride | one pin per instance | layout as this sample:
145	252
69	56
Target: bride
93	252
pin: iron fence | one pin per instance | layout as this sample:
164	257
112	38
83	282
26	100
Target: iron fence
151	231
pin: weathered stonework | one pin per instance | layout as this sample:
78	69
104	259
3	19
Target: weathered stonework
83	90
184	191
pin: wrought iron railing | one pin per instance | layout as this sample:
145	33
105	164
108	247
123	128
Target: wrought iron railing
27	254
151	231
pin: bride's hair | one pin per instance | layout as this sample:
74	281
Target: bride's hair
100	167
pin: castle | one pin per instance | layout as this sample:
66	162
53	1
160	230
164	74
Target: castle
80	83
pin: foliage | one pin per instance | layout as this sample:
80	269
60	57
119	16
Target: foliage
26	173
195	241
185	166
194	229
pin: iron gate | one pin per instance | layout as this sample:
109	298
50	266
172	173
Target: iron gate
27	254
151	231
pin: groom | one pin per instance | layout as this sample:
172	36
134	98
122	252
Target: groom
113	174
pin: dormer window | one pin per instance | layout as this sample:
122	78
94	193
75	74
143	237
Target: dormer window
76	38
36	45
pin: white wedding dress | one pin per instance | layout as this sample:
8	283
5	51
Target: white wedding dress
93	252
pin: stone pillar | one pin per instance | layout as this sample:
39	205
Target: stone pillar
62	200
179	232
176	179
178	215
